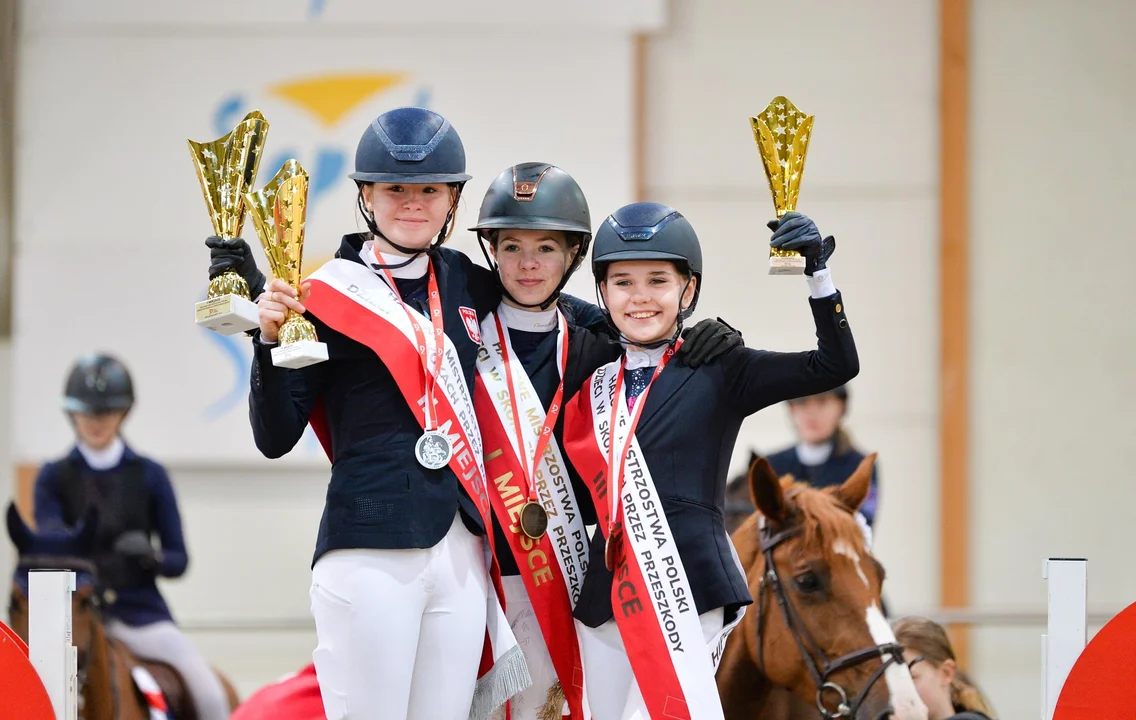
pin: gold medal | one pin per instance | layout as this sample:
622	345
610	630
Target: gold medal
533	520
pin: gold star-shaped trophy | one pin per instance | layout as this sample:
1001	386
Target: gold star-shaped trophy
226	167
782	135
278	212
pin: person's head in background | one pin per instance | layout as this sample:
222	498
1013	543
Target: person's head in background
97	397
817	418
943	687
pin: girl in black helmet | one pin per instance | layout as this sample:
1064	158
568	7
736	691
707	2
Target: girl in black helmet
400	587
135	501
653	441
537	349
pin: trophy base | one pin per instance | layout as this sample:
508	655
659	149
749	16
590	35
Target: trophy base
299	354
227	315
787	265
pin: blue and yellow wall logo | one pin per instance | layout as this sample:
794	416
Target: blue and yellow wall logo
325	100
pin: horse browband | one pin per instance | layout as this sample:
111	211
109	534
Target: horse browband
888	652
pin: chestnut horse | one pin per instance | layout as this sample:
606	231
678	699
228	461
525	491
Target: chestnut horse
815	627
106	686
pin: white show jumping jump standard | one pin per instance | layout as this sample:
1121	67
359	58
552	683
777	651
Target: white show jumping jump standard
1067	631
51	652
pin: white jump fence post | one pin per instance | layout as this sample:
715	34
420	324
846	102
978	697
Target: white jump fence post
51	652
1067	629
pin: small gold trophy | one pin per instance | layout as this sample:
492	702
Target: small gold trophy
226	168
782	134
278	211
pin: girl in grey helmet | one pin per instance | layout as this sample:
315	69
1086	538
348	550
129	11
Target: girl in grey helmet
538	346
652	440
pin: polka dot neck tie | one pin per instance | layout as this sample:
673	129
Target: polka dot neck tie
637	380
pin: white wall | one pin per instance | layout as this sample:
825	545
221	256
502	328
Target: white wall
1053	161
868	74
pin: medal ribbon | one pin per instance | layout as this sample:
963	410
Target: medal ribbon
435	303
529	467
617	404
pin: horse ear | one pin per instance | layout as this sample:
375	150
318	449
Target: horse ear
21	535
765	488
855	488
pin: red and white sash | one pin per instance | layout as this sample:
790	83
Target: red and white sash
651	596
352	300
553	587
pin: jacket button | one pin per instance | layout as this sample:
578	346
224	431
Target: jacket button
843	323
839	307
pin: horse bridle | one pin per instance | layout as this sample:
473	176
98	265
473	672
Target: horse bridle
821	672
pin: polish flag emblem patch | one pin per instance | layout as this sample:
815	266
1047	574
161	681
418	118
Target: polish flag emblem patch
472	328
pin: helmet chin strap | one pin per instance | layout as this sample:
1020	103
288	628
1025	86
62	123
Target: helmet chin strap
413	253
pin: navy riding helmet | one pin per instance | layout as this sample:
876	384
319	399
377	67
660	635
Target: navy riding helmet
410	145
649	231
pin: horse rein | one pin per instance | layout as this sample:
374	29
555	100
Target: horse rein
889	652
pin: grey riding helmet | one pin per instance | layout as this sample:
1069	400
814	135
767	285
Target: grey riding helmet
535	196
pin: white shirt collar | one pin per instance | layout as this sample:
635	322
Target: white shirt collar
416	269
527	320
637	358
104	459
810	454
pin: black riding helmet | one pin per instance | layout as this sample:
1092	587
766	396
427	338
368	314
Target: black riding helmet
649	231
536	196
98	384
410	145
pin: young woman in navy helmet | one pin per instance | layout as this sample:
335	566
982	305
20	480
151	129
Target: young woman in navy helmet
538	346
652	440
408	624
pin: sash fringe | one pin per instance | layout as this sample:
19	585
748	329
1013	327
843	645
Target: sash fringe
508	676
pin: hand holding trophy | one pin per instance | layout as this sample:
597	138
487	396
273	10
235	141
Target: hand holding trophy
226	168
782	135
278	212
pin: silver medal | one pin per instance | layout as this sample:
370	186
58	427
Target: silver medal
433	450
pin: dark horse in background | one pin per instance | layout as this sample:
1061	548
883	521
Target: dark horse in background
815	629
106	686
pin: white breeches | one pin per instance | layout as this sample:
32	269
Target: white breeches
401	631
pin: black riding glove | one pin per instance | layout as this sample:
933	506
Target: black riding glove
706	341
135	544
236	255
794	231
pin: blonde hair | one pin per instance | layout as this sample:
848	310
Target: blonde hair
928	639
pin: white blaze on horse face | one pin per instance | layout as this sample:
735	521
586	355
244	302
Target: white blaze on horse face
842	548
905	700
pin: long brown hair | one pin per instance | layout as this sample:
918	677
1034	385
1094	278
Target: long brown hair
929	640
